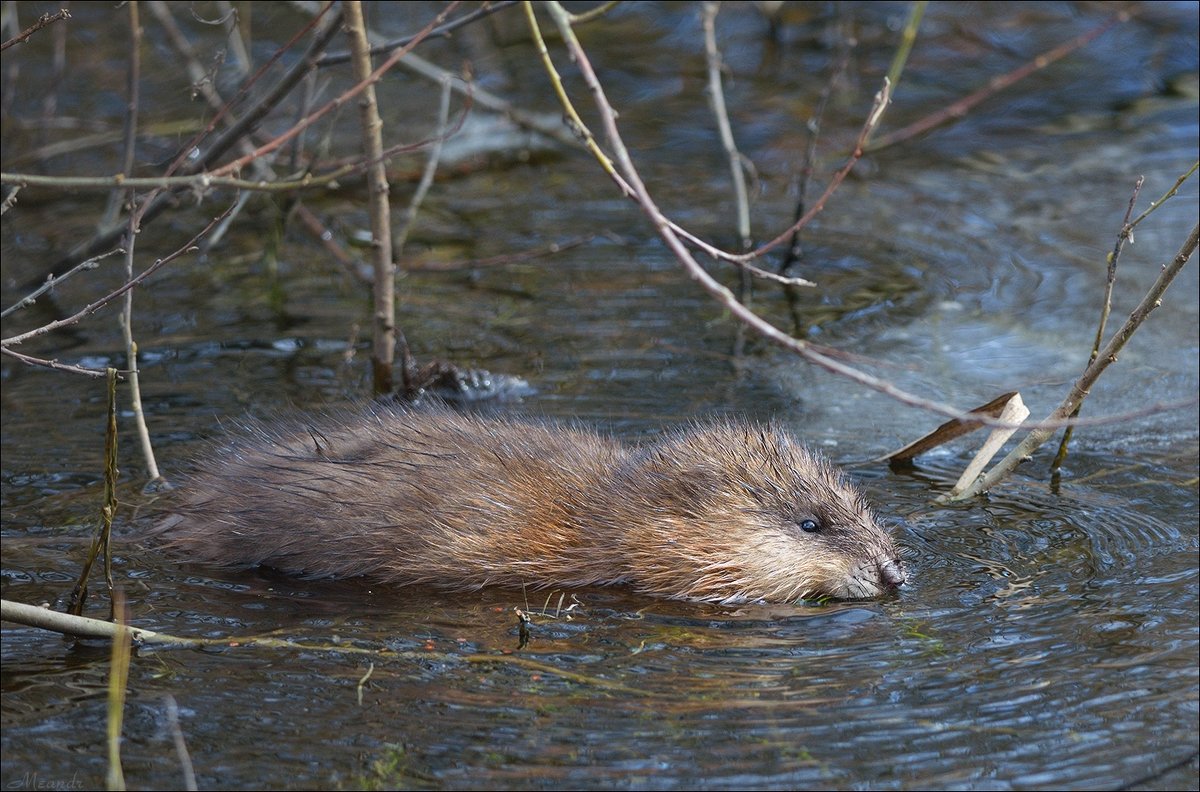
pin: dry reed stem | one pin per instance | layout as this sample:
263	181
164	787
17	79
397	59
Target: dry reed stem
118	681
102	541
181	750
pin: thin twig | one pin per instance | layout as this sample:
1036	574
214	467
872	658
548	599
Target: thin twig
85	627
997	84
42	21
551	128
181	750
1168	194
52	281
318	231
435	154
91	308
202	81
51	364
239	45
1081	387
258	111
122	197
332	58
907	37
9	200
627	188
882	99
1105	308
813	127
334	104
712	56
211	153
594	13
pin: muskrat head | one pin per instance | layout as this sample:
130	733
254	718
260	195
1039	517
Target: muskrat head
731	512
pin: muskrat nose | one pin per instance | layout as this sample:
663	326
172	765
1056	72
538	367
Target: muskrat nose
892	573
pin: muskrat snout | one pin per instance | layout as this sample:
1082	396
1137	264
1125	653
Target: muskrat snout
892	572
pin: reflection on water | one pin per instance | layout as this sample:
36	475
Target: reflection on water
1045	640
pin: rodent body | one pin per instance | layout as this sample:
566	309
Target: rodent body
721	512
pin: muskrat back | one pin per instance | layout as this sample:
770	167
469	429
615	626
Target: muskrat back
725	511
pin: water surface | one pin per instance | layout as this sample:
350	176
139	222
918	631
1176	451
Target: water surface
1048	638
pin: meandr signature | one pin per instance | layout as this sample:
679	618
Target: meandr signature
37	781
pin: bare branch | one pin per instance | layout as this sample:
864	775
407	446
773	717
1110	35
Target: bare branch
997	84
52	281
106	299
42	21
384	349
51	364
1081	387
333	58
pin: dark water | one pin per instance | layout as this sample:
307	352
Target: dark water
1048	638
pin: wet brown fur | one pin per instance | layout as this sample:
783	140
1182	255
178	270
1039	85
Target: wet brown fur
713	512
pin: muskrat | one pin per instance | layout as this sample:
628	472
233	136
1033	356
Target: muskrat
725	511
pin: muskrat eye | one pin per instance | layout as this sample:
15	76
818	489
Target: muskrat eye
809	526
